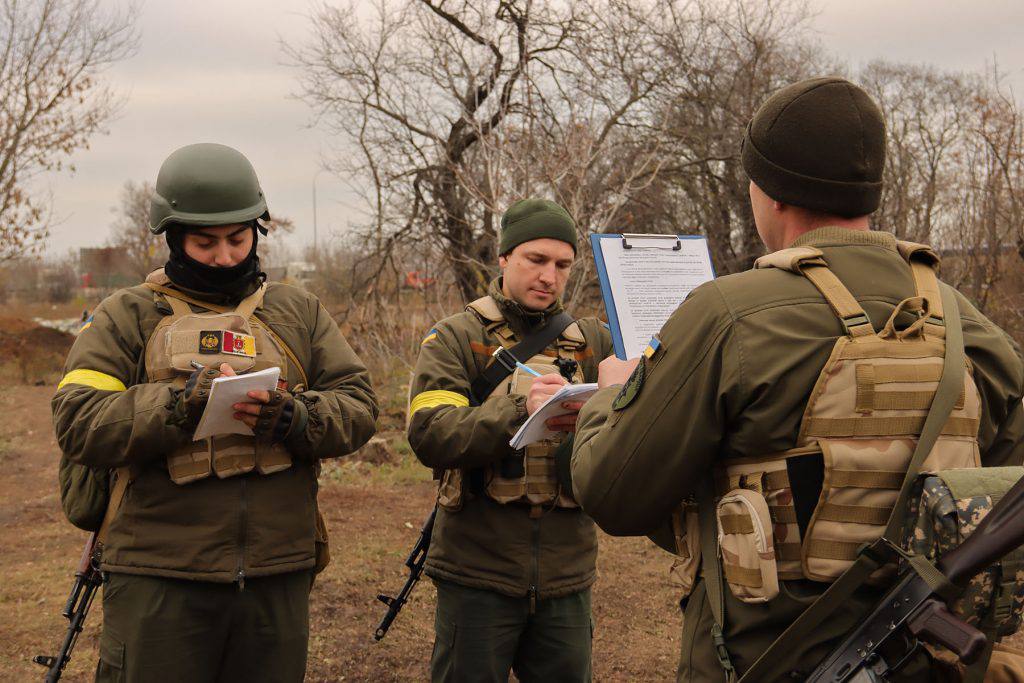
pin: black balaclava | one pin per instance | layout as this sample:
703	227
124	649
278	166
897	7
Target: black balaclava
187	273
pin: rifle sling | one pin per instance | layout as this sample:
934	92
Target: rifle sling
121	478
495	373
779	654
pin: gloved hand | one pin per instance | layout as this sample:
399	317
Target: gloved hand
275	417
192	400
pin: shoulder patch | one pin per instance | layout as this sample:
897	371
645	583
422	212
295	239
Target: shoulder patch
652	348
86	324
631	389
430	336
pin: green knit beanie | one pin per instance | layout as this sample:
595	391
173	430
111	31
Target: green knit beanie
818	144
531	219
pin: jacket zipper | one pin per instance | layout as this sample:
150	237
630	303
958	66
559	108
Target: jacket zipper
534	564
242	521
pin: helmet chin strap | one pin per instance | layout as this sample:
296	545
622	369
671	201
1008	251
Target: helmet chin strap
188	273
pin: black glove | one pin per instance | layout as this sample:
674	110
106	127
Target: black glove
276	417
192	400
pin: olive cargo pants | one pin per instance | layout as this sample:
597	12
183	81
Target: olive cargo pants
481	635
157	629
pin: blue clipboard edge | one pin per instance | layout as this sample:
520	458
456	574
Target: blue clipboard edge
606	288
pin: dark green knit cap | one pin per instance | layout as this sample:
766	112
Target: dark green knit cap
531	219
818	144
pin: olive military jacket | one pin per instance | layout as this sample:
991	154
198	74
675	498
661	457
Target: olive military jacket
213	529
486	544
730	379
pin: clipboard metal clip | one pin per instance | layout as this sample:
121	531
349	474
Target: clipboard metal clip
633	235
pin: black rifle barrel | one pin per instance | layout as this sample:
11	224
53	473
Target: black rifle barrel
415	561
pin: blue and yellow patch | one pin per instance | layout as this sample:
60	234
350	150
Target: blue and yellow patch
86	325
430	335
652	348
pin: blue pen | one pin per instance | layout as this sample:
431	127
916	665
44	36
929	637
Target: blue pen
528	369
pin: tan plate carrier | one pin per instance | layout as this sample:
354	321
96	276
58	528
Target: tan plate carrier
175	343
864	417
539	485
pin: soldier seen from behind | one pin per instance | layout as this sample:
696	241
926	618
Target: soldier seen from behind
209	547
512	555
766	433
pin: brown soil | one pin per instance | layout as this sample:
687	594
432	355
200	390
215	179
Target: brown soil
373	524
31	353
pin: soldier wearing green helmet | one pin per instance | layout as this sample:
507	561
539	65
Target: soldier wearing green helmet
209	546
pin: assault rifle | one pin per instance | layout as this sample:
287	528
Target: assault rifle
912	611
87	580
415	564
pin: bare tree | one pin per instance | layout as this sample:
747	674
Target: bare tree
456	108
130	230
51	100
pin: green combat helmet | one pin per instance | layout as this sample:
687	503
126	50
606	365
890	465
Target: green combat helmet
206	184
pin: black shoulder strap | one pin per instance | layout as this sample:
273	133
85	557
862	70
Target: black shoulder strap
505	359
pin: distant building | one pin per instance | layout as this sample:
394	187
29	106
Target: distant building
105	268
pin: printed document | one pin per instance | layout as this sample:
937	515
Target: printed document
218	418
534	429
647	282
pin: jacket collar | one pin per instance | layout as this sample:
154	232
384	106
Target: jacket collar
521	319
832	236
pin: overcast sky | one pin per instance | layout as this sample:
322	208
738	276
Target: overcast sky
213	71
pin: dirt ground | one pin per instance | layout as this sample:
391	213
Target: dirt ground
374	514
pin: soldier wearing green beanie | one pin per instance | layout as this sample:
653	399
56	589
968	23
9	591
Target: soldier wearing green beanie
670	445
530	219
512	555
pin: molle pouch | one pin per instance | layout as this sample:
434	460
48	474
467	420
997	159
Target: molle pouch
520	381
272	458
233	454
191	462
211	339
945	508
746	542
451	492
686	530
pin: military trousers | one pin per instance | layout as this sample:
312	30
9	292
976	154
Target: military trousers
481	635
157	629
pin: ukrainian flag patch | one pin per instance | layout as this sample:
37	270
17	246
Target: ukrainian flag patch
86	324
652	348
430	335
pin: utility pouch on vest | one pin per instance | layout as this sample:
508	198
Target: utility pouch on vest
945	508
191	462
747	547
233	454
686	530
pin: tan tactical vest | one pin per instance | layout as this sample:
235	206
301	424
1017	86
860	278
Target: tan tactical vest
539	484
864	417
235	337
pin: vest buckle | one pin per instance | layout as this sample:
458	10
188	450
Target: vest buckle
505	357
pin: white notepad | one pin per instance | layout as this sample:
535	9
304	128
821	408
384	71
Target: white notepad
534	429
218	418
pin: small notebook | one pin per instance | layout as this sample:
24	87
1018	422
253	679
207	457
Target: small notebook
218	418
534	429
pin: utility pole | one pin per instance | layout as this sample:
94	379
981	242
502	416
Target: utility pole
315	176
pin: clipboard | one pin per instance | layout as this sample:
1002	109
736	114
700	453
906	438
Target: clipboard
685	246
